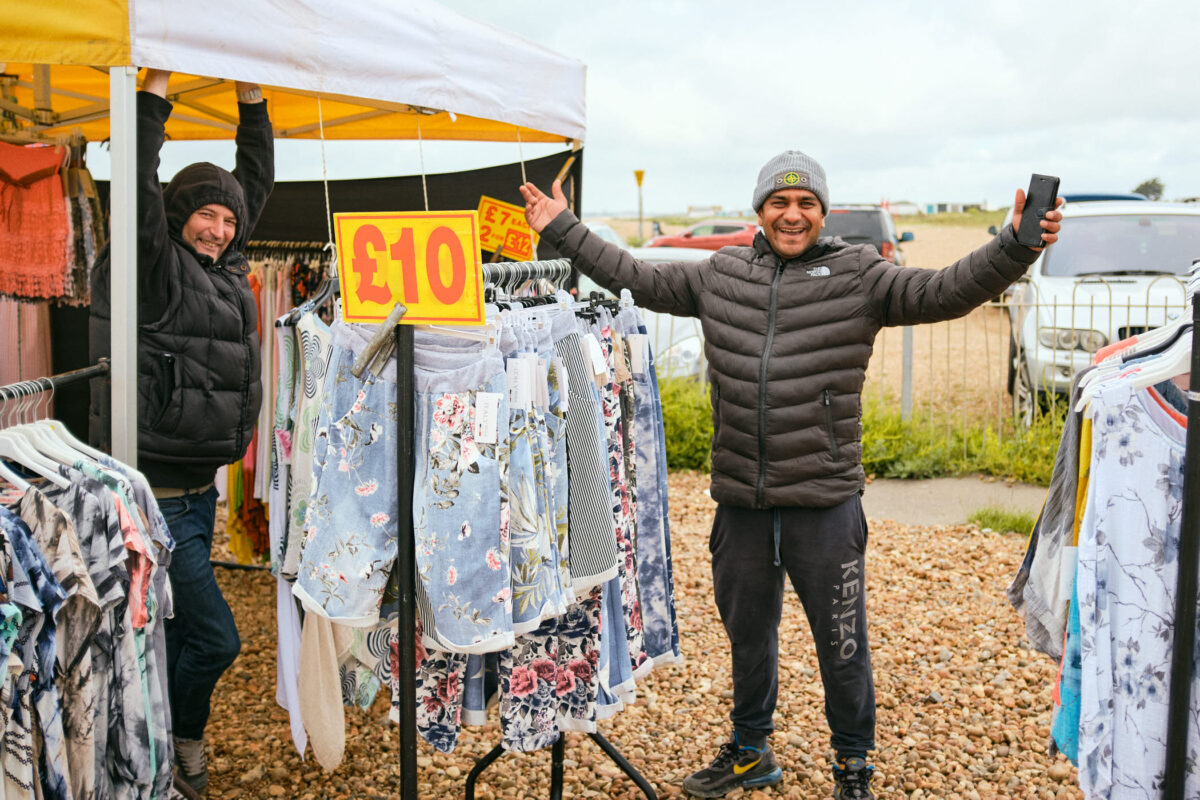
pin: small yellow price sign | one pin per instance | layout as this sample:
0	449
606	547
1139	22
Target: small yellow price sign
502	223
427	260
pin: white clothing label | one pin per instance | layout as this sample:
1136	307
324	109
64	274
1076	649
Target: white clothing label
518	385
564	384
543	385
596	356
487	411
529	379
639	352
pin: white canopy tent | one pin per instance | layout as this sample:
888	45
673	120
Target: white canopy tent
382	70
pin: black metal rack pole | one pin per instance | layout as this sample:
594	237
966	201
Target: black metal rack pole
1178	711
405	573
21	388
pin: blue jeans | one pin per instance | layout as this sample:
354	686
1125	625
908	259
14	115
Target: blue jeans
202	638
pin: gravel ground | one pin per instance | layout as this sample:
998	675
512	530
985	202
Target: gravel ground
964	708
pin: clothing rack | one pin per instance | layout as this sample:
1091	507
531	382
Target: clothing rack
1185	594
512	275
23	389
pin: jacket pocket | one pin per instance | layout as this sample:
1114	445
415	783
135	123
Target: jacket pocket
166	393
714	399
827	402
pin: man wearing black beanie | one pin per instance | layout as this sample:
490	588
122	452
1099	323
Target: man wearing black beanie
199	388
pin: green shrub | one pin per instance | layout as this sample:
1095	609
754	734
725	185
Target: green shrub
1003	519
918	448
892	447
687	420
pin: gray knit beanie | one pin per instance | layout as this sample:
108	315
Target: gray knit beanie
791	169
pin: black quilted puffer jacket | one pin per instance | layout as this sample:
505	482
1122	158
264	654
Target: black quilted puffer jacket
787	344
199	389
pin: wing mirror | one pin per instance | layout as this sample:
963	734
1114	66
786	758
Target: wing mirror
907	236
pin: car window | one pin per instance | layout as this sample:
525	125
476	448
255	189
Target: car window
702	230
1165	243
728	228
856	227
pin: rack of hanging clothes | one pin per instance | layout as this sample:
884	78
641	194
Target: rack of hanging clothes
83	692
1108	583
503	591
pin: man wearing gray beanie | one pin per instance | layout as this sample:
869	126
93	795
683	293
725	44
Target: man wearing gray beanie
789	324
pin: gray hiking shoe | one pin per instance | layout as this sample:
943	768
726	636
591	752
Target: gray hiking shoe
190	766
734	768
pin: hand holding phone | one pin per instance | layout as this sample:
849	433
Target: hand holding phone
1041	198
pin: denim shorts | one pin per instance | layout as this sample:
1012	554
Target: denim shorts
464	587
350	530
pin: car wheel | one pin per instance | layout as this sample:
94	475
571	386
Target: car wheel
1025	400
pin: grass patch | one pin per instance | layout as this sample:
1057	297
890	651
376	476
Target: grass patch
1003	519
968	218
916	448
892	447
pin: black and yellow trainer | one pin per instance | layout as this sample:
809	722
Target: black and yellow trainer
735	767
853	777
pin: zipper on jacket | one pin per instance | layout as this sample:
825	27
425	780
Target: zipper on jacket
825	401
760	489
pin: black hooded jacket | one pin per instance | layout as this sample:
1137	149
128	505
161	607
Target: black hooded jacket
199	388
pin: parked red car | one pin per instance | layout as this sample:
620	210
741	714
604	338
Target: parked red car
712	234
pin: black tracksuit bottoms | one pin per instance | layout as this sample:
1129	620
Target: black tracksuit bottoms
822	550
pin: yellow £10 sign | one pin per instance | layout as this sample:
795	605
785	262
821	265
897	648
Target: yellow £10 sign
429	261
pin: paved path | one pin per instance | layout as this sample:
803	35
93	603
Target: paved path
945	501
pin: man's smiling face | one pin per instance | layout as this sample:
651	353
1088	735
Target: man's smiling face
791	220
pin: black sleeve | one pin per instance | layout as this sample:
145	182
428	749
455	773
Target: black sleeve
255	168
153	242
672	287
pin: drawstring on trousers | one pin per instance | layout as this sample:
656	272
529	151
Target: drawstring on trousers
775	522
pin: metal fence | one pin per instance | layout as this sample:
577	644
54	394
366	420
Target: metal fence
1016	356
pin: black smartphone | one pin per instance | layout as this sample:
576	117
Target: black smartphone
1041	197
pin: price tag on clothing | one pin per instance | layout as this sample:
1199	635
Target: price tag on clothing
487	412
520	383
639	352
503	224
595	357
543	385
563	382
429	261
620	370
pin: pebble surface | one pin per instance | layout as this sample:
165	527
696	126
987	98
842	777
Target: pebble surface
964	707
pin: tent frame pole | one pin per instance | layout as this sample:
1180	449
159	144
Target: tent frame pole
1183	652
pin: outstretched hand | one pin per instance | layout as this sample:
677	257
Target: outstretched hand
1050	225
540	209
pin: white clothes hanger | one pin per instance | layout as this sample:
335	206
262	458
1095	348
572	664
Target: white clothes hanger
16	449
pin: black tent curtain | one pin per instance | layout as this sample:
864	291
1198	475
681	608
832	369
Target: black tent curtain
295	212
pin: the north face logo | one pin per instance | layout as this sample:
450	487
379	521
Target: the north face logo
818	272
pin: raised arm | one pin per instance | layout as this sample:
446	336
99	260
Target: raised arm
909	295
153	110
668	287
255	168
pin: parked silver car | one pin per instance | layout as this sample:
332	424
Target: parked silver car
677	342
1119	268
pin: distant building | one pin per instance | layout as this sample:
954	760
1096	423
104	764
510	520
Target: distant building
954	208
700	212
903	208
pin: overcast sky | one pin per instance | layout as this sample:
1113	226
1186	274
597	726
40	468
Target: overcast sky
923	101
